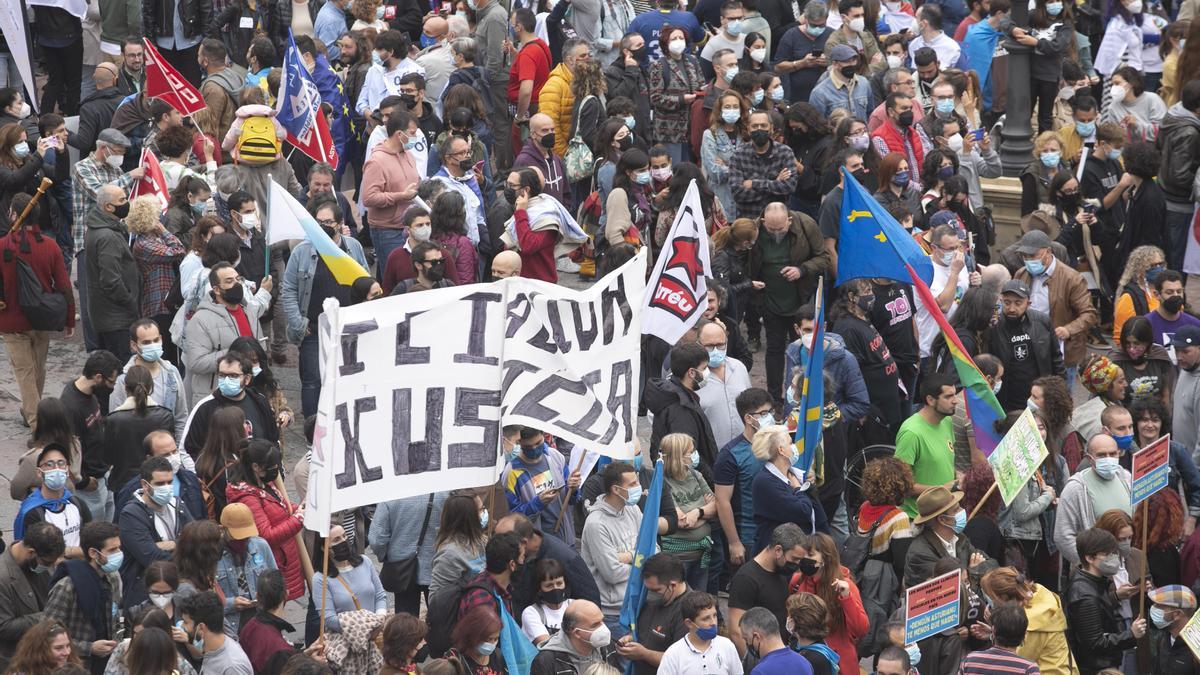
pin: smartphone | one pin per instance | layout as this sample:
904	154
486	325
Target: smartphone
1090	207
977	134
817	53
478	166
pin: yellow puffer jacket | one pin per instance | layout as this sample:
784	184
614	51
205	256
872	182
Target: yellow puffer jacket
558	101
1045	640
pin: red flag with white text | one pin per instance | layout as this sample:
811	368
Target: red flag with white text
164	82
153	182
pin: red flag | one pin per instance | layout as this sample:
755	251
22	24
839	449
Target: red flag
299	110
164	82
153	182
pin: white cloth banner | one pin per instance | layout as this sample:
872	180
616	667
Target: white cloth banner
77	8
14	25
677	292
417	388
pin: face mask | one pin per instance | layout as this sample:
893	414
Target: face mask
115	161
121	210
1159	617
857	25
905	119
946	258
1031	405
676	47
600	637
914	654
1124	547
1004	24
787	568
24	111
900	179
436	271
21	150
955	142
730	73
376	59
945	172
731	116
638	53
791	399
1035	267
630	122
250	221
866	302
113	563
1051	159
634	495
410	144
716	358
1134	7
198	208
814	31
483	518
1110	565
777	94
1106	467
960	521
734	27
555	596
894	61
625	143
410	101
758	55
1123	442
421	232
944	106
1114	155
54	479
341	551
996	386
1054	8
510	196
234	294
758	96
859	175
255	370
379	13
485	648
848	72
707	634
1085	129
427	41
175	460
760	137
161	494
661	175
642	177
809	567
1066	93
230	386
1173	304
547	141
1153	273
535	453
859	141
701	378
161	600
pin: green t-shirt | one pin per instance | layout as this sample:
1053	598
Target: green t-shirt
1105	494
782	298
929	450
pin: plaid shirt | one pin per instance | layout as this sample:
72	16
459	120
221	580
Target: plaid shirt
761	170
475	597
88	176
62	605
156	256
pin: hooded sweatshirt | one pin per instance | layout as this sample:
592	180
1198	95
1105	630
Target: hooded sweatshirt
606	533
1045	639
1179	136
851	395
560	649
386	174
1075	509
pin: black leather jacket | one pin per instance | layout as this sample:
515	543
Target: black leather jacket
1093	631
158	17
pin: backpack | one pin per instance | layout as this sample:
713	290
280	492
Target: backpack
824	650
44	310
579	160
258	142
857	548
441	613
879	590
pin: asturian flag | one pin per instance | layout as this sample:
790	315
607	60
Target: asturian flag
298	109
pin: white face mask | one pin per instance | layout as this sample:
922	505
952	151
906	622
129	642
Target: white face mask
115	161
677	46
1134	7
161	600
759	55
955	142
857	25
421	232
24	111
1118	92
895	61
807	340
1066	93
250	221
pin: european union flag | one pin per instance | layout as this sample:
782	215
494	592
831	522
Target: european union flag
872	244
647	544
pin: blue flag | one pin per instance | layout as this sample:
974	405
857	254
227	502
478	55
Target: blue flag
866	228
332	92
812	390
647	544
298	109
518	651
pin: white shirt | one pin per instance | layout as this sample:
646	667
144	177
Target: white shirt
438	62
531	620
721	41
379	84
719	658
947	49
718	400
927	328
949	545
1039	290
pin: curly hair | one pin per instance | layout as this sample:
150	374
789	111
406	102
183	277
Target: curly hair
717	121
589	80
1142	159
144	215
1140	260
33	653
886	480
401	635
1057	404
364	10
1044	140
975	485
1166	521
1008	584
197	551
809	615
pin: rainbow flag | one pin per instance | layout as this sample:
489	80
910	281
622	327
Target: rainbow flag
812	390
289	220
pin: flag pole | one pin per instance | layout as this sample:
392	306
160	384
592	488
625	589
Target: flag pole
567	498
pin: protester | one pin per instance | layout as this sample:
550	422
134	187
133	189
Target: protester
277	519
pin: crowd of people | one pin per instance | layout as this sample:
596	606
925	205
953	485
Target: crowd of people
478	140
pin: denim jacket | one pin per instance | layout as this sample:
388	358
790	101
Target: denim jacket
259	559
298	280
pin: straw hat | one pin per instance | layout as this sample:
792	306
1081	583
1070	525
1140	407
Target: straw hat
934	502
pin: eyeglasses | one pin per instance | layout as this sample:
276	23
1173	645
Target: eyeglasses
327	223
54	464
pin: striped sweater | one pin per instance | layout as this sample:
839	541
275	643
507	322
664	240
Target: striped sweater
996	661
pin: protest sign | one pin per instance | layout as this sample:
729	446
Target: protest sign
1018	456
416	387
153	182
931	607
1191	634
1150	469
678	292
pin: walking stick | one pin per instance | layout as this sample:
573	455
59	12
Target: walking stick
41	190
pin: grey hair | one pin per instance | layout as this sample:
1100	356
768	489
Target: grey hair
759	619
457	26
816	11
465	47
892	77
228	180
107	194
323	168
788	535
570	45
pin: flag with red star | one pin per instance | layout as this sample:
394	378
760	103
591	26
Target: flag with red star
677	294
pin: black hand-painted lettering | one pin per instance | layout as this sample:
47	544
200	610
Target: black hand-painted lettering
354	455
350	334
406	354
467	403
408	456
478	331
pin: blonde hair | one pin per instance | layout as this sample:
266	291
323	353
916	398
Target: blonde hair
676	453
1044	139
589	80
1138	262
767	440
144	213
741	231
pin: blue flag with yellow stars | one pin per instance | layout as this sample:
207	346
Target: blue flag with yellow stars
647	544
330	86
871	244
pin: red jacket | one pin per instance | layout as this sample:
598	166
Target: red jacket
537	250
276	524
46	259
854	626
890	135
262	638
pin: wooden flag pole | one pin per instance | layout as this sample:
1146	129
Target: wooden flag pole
41	190
567	498
1145	541
305	560
987	495
324	585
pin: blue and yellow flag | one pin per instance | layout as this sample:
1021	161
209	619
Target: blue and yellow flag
812	390
866	230
647	544
289	220
518	651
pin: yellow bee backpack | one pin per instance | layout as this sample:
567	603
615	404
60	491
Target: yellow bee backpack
258	142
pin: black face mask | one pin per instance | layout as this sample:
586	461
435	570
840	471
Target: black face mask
787	568
271	474
1068	201
905	119
121	210
760	137
1173	304
625	143
510	195
809	567
639	53
547	141
466	165
860	175
329	231
435	270
848	72
233	295
410	101
341	552
555	596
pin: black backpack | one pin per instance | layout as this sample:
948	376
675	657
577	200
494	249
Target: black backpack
857	548
44	310
442	613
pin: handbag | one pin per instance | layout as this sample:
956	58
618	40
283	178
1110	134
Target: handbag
398	576
578	159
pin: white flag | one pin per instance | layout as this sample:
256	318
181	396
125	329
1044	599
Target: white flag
13	27
77	8
677	293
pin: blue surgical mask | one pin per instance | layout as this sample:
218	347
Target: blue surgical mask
113	563
694	459
1153	273
1159	617
1051	159
410	144
486	648
379	12
768	419
777	94
960	521
1106	467
427	41
731	73
914	654
945	172
21	150
945	106
1054	8
198	208
791	397
642	177
162	494
1123	442
376	58
734	28
483	518
900	179
630	122
1036	268
716	357
996	386
1114	154
634	496
706	634
535	453
54	479
1085	129
151	352
731	116
256	370
230	386
814	31
758	96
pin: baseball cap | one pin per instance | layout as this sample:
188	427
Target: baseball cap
1016	287
1187	336
239	521
1033	241
842	53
